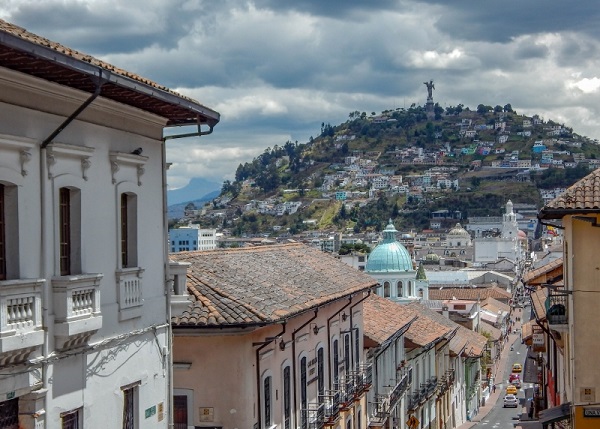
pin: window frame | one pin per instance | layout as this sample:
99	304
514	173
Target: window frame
74	424
130	403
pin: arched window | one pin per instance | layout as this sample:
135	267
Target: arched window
303	394
267	396
421	292
320	374
287	398
399	286
386	290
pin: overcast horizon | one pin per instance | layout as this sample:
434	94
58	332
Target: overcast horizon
276	70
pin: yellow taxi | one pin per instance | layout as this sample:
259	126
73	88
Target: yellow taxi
511	390
517	367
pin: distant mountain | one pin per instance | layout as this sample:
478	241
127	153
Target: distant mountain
197	189
175	211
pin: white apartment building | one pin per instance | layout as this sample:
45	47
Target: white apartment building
84	304
192	237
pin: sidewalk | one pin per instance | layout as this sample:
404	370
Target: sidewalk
500	378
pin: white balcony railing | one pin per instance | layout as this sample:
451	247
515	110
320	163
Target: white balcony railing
129	282
76	308
20	316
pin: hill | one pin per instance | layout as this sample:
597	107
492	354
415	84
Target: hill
403	164
197	189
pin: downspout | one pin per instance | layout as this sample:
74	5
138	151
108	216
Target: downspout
264	344
76	113
329	339
294	360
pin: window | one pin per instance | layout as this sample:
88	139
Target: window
336	372
347	353
386	290
9	414
320	374
9	232
128	230
65	231
129	406
303	394
2	236
287	400
267	405
399	286
356	349
69	223
71	419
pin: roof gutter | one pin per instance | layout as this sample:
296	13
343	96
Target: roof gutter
198	133
96	71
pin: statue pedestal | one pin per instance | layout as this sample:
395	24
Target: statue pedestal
429	109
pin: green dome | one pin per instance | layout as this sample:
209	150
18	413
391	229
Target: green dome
389	255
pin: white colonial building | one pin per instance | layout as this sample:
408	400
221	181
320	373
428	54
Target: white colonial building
84	302
192	237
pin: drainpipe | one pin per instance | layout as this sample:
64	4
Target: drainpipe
263	344
329	339
294	358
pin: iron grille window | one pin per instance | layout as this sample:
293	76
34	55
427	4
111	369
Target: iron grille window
336	371
129	408
9	414
2	236
303	395
65	231
287	400
356	349
320	374
347	352
267	395
70	420
124	237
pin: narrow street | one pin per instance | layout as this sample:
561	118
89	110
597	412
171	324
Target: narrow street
493	415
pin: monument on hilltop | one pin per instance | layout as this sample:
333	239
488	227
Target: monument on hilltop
429	103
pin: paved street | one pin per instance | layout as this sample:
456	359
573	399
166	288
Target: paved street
493	415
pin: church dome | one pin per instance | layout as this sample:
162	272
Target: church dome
432	257
459	231
389	255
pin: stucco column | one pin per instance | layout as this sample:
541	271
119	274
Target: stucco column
32	414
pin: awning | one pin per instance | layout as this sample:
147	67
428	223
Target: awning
527	331
555	414
530	372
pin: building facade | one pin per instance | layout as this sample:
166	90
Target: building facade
84	313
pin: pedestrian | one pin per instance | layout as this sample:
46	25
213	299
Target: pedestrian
494	388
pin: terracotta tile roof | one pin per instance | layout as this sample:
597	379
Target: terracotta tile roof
548	273
425	330
383	318
29	53
494	305
538	301
583	196
261	285
469	293
495	333
463	341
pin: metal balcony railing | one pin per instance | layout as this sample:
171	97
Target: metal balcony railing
380	408
331	401
314	415
432	385
451	374
556	309
364	377
402	385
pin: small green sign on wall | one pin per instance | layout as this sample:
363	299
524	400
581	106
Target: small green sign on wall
150	411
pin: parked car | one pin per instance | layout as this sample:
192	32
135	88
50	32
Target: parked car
511	401
517	367
511	390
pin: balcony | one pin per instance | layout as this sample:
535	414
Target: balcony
21	330
432	385
557	312
129	282
404	381
314	416
379	411
415	399
76	308
331	401
364	378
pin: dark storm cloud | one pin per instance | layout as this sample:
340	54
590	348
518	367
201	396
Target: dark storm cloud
337	9
99	30
499	21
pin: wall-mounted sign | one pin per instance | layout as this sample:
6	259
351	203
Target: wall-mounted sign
587	394
207	414
591	412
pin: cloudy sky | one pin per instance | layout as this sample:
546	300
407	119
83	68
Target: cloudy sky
276	69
